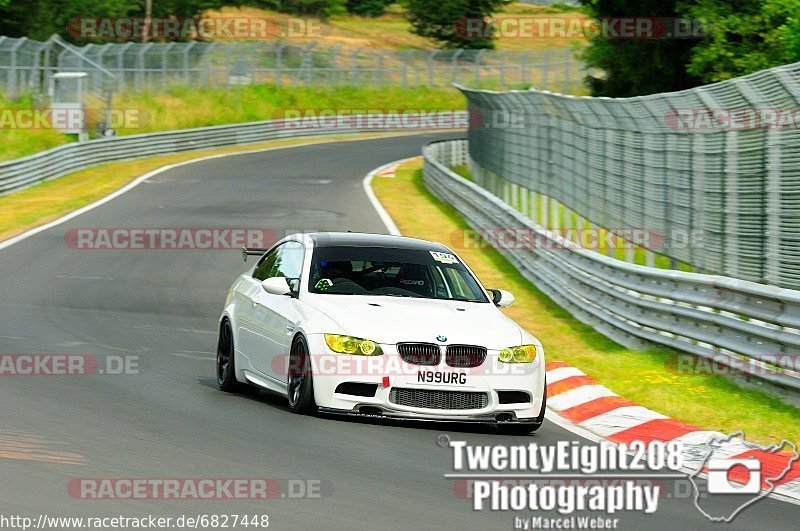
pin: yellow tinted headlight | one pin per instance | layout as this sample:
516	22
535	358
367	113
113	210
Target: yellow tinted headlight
352	345
520	354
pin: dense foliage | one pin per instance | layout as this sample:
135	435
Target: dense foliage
454	23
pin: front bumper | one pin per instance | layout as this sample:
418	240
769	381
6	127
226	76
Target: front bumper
395	415
491	379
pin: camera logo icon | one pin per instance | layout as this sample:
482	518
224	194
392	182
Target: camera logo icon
720	481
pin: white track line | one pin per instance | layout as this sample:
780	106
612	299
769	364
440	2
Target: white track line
367	183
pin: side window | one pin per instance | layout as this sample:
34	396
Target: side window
290	261
440	284
459	287
263	269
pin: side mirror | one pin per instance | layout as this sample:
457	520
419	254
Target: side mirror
502	298
276	286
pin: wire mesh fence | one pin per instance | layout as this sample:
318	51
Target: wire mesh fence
719	162
25	65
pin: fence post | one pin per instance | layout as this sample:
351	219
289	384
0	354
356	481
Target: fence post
121	70
773	257
546	70
477	67
430	67
354	66
454	65
279	64
167	48
12	72
501	67
731	206
187	75
380	68
140	74
406	61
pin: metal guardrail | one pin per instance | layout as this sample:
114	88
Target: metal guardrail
62	160
752	327
721	161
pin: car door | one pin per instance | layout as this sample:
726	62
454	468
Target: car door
249	330
278	315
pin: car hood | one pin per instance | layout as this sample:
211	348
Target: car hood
391	320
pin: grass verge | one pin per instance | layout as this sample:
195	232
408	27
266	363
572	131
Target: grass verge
47	201
711	402
185	107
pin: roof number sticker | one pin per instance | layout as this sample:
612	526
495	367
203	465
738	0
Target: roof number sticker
445	258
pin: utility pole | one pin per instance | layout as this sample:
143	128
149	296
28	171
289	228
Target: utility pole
148	19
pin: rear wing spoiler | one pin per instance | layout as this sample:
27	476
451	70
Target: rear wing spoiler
252	251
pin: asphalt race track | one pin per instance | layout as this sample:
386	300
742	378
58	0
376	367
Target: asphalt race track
170	420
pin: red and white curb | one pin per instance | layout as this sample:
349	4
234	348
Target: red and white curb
584	402
390	172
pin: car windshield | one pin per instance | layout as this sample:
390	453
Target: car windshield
392	272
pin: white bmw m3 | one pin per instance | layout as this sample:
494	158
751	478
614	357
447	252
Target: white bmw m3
366	324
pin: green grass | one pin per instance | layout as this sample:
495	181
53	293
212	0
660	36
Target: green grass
20	142
184	107
646	377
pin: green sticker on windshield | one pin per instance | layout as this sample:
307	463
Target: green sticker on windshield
324	284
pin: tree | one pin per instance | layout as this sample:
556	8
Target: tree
39	19
744	36
368	8
454	23
632	67
318	8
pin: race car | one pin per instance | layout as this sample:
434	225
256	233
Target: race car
377	325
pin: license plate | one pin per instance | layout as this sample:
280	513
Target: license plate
440	377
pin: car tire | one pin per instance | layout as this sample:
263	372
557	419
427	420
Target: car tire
300	384
527	427
226	361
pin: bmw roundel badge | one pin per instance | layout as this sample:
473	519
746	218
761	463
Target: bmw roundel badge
441	338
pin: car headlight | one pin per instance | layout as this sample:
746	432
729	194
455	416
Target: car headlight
352	345
520	354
